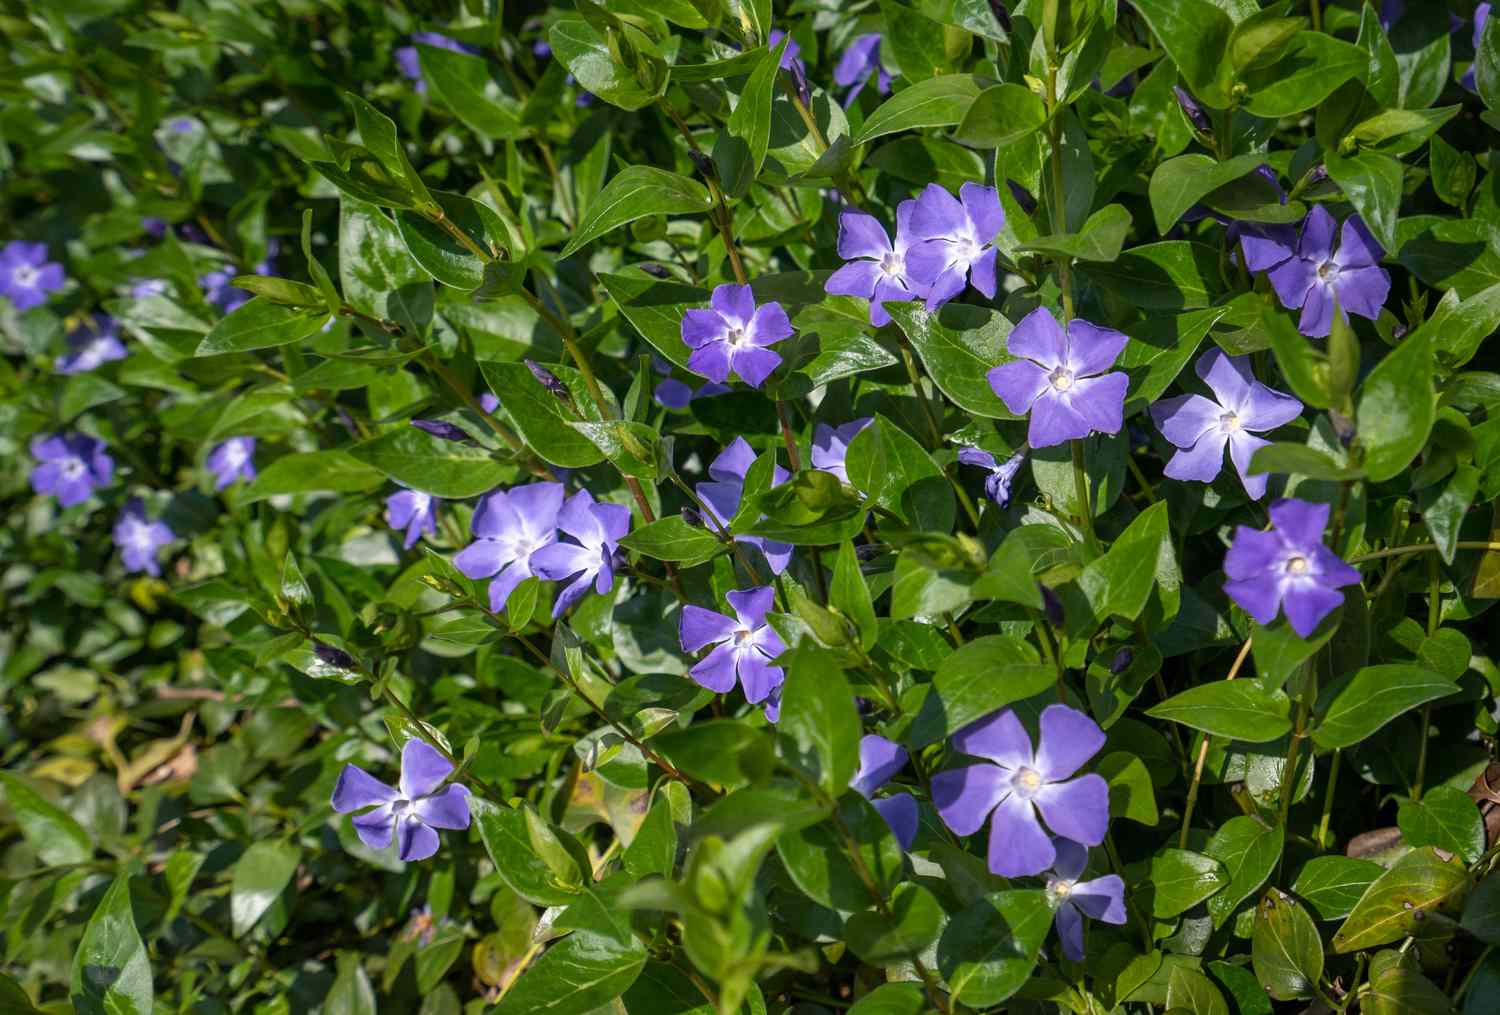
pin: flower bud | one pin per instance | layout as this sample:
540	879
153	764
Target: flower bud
337	658
440	429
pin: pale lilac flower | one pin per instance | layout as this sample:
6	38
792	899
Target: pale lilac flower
953	241
733	336
1481	15
744	646
879	760
142	288
414	511
859	62
598	529
1200	428
1060	379
72	467
790	55
155	226
26	276
1016	784
92	345
488	402
231	460
875	268
726	486
408	59
410	813
1100	899
219	290
139	538
1287	568
1002	474
1311	276
830	446
509	526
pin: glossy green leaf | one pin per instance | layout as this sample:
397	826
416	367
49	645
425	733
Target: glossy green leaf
819	726
1332	885
1249	849
634	193
472	90
1240	709
260	875
1446	818
1001	115
980	677
989	949
1373	697
914	922
111	970
443	468
1286	949
55	835
941	101
261	324
1398	902
958	348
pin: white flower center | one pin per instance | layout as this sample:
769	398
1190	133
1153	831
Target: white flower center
24	275
742	635
1229	422
890	265
965	249
1026	782
137	533
234	455
1328	271
737	338
1297	565
1061	378
74	468
1060	888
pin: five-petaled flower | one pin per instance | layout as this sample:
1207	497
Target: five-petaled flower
726	487
1200	427
1311	275
414	511
859	62
72	466
231	460
509	526
1287	567
1100	899
830	446
1016	784
1061	378
953	241
598	529
412	812
732	336
879	760
1002	474
91	345
744	648
26	276
875	268
139	538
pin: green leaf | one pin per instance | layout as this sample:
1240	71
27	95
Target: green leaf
1487	66
633	448
313	472
982	675
587	56
1099	239
634	193
988	950
1120	582
915	920
1454	172
1181	879
749	128
896	998
443	468
1309	70
850	595
1170	275
1195	34
293	585
958	346
1249	850
1240	709
1285	948
379	276
1279	650
816	859
720	750
942	101
281	290
444	256
1000	116
260	875
1400	131
1332	885
1178	184
1372	183
544	421
508	839
1445	817
261	324
576	975
472	92
15	1001
1482	911
111	971
1397	987
1285	459
654	848
1189	991
886	463
1398	902
1448	253
673	539
57	838
1373	697
819	728
1131	792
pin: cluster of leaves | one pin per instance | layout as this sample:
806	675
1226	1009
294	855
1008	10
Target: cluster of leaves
494	223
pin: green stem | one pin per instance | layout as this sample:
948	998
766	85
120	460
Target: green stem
1140	477
916	383
1333	781
1119	867
787	437
1397	551
1192	794
1289	767
1059	213
1081	491
1434	621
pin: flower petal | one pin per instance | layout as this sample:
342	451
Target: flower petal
752	605
879	760
711	361
1358	247
1039	338
982	206
733	462
1264	247
1292	279
448	809
1068	738
1056	420
965	796
1077	809
862	235
483	557
758	677
1091	349
1101	899
735	304
1069	924
700	327
418	842
699	627
1200	463
938	214
422	768
1306	603
375	827
1019	384
1018	846
982	273
1316	242
716	671
1300	522
357	788
856	278
1363	291
1242	448
754	365
1072	858
900	813
505	583
769	325
1259	596
998	737
1185	419
1317	312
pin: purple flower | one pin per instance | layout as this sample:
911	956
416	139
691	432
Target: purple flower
1194	112
90	346
1481	15
218	290
598	529
733	336
1018	784
410	813
1061	378
509	526
875	268
414	511
1287	567
858	63
1200	427
233	459
879	760
1100	899
727	486
830	446
142	288
71	467
409	62
744	646
1002	474
154	226
1311	275
139	538
488	402
953	240
541	49
441	429
26	276
790	54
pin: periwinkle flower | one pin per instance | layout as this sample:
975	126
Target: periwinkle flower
1194	112
726	487
879	760
1311	275
875	268
231	460
411	813
1200	428
744	647
219	290
830	446
139	538
143	288
1001	474
408	58
953	241
90	346
598	529
861	61
26	276
1061	380
509	526
1017	784
1101	899
441	429
488	402
1481	16
1287	568
414	511
155	226
733	336
72	466
790	55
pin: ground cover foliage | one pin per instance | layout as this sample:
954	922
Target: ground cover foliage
673	506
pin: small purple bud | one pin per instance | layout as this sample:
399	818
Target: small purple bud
1022	195
440	429
541	49
1001	14
1318	175
1343	427
655	270
1052	606
1190	109
799	79
548	380
704	164
337	658
868	551
1121	662
692	517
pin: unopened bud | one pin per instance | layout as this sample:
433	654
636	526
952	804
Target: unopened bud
692	517
655	270
1052	606
337	658
440	429
1190	109
1121	662
704	164
799	79
1002	16
548	379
